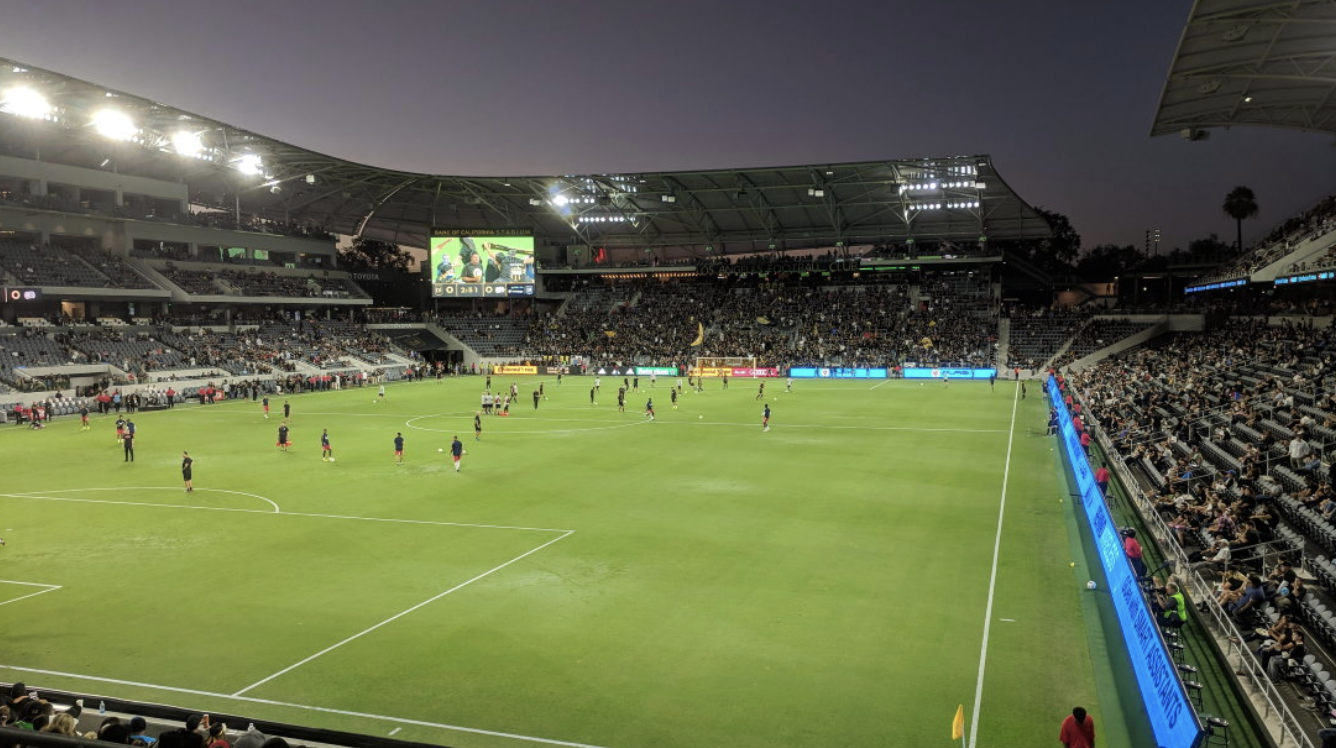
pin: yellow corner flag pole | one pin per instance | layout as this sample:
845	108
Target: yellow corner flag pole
958	725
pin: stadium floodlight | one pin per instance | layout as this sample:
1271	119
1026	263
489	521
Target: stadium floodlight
22	101
114	124
535	202
188	144
250	164
560	200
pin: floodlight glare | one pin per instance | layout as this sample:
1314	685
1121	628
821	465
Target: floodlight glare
187	143
560	200
250	164
114	124
22	101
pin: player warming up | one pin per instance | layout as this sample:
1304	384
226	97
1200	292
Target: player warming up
283	442
765	418
477	427
398	448
187	468
326	451
457	452
760	392
649	409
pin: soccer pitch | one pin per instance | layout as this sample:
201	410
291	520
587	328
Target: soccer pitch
588	578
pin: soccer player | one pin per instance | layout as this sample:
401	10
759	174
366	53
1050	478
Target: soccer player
381	393
488	385
635	384
287	411
788	385
725	381
265	403
992	381
457	452
541	393
477	427
649	409
765	418
486	402
120	429
592	390
83	417
653	378
505	406
673	396
536	397
760	392
129	442
326	451
1022	390
598	383
187	466
399	448
679	384
283	437
621	399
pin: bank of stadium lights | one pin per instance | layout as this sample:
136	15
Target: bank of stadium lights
954	184
950	205
250	164
22	101
114	124
188	144
603	219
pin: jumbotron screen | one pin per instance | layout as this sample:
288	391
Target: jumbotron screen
481	262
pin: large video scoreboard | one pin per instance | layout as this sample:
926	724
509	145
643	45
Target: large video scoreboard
476	263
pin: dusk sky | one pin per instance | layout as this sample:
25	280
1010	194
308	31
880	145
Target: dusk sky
1061	95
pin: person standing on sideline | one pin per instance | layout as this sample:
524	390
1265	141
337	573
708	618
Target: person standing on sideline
129	442
399	448
477	427
1078	730
187	466
765	418
326	451
457	451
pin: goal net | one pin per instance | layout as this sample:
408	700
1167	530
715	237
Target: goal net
721	366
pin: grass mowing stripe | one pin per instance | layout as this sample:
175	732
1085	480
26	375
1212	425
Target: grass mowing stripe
399	615
992	577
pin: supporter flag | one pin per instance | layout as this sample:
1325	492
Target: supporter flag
763	320
700	335
926	342
958	724
610	333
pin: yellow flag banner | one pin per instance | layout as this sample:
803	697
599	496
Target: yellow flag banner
958	724
700	335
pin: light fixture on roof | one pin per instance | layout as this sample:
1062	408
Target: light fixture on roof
815	192
114	124
310	179
187	143
1247	99
560	200
670	198
22	101
250	164
535	202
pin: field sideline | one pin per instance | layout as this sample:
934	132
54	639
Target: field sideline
589	578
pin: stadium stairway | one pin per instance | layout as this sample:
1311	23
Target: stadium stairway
1003	344
1118	346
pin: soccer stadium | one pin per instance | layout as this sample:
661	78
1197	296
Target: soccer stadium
304	451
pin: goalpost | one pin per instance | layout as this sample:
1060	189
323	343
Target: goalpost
718	366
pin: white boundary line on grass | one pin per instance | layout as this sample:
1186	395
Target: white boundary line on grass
49	588
270	502
992	577
40	496
879	384
308	707
399	615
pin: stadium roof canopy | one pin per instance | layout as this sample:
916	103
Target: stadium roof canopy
959	198
1252	62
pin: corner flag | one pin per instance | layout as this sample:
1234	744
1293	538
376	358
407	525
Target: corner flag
958	724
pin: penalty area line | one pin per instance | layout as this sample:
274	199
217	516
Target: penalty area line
399	615
291	705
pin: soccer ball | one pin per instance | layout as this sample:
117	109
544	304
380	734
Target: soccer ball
700	417
438	449
331	459
1091	585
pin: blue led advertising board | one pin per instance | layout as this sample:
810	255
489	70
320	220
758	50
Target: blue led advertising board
1166	704
922	373
836	372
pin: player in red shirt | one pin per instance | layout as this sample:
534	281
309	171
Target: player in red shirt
1078	730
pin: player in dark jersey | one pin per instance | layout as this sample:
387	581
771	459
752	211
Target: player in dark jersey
592	392
399	448
536	397
83	418
326	451
283	437
621	399
287	411
673	394
457	452
265	403
765	418
187	468
760	392
129	442
649	409
477	427
120	429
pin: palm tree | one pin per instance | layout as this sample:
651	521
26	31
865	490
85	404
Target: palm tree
1240	203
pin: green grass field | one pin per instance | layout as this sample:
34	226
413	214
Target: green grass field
588	578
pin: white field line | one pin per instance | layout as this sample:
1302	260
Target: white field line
992	577
879	384
307	707
49	588
270	502
43	496
399	615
